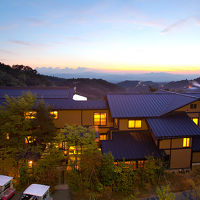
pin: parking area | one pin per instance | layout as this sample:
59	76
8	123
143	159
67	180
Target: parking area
61	193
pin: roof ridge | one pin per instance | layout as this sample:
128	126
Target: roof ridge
182	94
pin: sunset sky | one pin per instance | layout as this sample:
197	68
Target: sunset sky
128	35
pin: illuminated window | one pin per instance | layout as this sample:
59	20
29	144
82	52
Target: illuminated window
193	106
134	123
134	165
30	163
30	115
7	136
103	137
100	119
29	139
196	121
186	142
140	163
54	114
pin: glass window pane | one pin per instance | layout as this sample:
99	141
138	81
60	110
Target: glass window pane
196	121
138	123
131	123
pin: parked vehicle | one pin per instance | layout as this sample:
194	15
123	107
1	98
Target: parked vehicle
36	192
6	187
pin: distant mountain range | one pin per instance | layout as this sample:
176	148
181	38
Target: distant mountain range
80	72
25	76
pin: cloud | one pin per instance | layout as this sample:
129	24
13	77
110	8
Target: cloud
7	52
20	42
175	25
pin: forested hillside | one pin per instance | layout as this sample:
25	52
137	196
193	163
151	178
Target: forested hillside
25	76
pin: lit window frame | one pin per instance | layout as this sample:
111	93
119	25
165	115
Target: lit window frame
54	114
102	137
100	119
30	115
194	120
134	123
186	142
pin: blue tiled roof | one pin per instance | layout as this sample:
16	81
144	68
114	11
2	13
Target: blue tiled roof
41	93
146	105
69	104
176	125
130	146
197	94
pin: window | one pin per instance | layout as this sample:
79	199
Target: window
30	115
196	121
7	136
140	163
103	137
193	106
30	163
29	139
54	114
100	119
186	142
134	123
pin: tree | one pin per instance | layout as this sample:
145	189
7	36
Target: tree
44	129
14	127
164	193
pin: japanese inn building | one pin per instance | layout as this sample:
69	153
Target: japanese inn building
132	126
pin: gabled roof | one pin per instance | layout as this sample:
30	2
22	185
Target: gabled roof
176	125
68	104
130	146
36	190
195	94
146	105
41	93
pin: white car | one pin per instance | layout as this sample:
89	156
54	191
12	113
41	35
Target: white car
36	192
6	187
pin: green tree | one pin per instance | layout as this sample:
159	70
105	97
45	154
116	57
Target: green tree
164	193
107	170
14	127
44	129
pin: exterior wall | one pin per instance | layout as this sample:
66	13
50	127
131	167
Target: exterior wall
71	117
123	125
82	117
188	109
192	113
196	157
180	158
164	144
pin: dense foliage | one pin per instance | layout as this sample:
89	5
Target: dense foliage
25	139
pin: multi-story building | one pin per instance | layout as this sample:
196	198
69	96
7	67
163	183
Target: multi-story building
133	126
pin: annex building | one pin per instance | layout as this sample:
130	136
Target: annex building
132	126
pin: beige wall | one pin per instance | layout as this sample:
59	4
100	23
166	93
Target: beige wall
187	107
123	125
180	158
196	157
164	144
73	117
